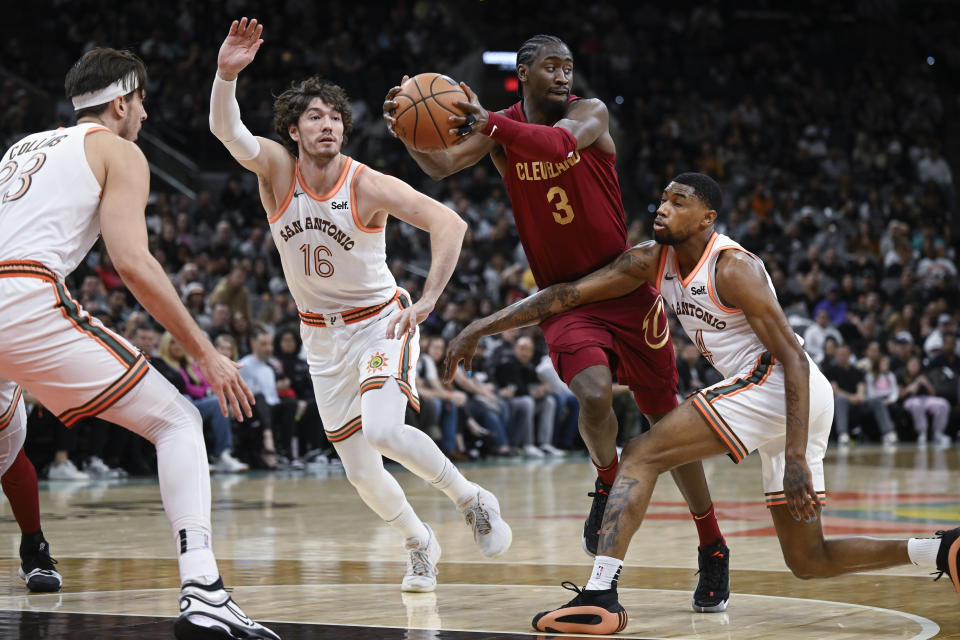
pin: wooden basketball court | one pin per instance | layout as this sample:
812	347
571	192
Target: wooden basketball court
306	557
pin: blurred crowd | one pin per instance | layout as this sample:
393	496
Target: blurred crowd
829	128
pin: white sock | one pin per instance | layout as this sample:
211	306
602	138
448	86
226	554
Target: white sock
606	572
408	524
454	484
923	551
195	556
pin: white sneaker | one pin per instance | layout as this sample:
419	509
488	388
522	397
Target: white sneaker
921	440
551	450
843	441
98	468
490	531
66	471
531	451
226	463
942	442
422	558
208	611
890	440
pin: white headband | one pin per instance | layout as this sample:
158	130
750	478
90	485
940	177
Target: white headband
121	87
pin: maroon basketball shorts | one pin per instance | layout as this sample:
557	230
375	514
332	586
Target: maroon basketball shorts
630	335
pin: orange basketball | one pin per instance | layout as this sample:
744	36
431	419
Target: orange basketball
424	103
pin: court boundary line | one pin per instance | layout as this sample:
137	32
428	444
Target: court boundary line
926	625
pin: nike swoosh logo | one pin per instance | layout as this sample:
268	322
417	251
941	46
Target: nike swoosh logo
668	277
494	130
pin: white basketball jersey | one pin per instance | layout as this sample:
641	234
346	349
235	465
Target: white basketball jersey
722	334
331	261
49	199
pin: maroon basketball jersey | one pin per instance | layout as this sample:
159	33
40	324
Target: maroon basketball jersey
569	214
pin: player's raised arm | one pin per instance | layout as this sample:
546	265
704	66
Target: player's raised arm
742	283
379	195
630	270
439	164
239	48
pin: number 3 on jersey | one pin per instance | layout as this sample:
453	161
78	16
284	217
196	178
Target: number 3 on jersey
9	170
564	212
323	268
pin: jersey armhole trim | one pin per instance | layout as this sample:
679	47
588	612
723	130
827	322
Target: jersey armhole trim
94	130
286	201
710	276
662	268
353	203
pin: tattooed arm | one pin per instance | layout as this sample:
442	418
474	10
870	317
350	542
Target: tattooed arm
620	277
742	283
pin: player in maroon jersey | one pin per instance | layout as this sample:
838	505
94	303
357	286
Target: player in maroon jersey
557	157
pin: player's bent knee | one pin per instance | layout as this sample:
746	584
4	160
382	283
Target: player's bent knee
641	453
808	566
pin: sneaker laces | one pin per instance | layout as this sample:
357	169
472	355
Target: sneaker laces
712	571
478	518
41	558
420	562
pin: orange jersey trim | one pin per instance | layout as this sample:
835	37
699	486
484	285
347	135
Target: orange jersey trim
349	317
353	204
109	396
336	187
712	291
345	431
286	201
777	498
26	269
737	449
662	268
11	411
703	258
94	130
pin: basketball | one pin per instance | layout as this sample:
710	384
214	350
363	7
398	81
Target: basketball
424	103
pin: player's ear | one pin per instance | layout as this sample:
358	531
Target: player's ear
294	133
522	72
118	106
709	217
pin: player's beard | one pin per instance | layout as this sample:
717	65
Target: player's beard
665	237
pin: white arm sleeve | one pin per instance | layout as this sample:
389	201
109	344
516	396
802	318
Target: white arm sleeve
225	121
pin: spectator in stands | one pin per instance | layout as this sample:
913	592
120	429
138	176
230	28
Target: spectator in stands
920	399
275	417
444	402
850	397
294	370
520	388
817	333
194	299
198	391
232	291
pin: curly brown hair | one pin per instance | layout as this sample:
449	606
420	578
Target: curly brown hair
290	105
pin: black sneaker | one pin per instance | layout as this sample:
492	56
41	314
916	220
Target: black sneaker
591	528
713	589
594	612
36	569
949	556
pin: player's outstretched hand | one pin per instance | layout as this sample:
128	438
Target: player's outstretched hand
407	320
476	117
224	377
390	107
802	501
460	349
239	48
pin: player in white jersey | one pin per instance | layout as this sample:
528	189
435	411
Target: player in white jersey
327	214
60	190
774	399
